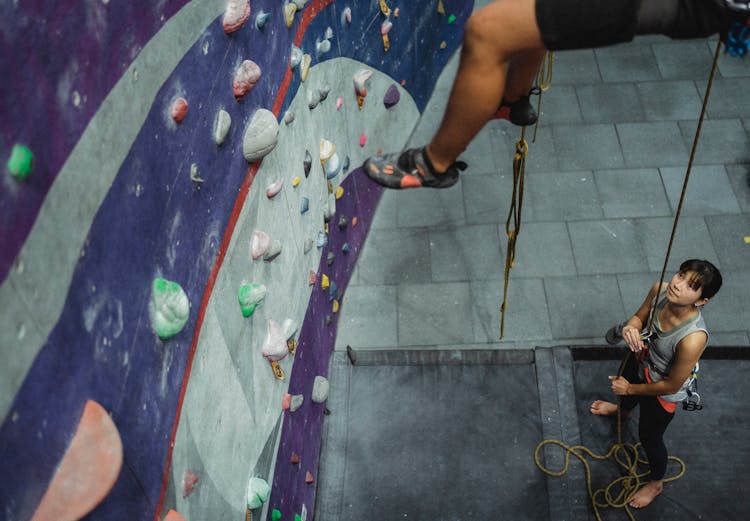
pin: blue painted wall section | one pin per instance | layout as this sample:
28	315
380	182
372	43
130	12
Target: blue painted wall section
155	222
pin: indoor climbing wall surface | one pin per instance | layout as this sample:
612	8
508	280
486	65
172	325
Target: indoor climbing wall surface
132	183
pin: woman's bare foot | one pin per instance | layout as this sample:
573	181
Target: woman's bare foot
646	494
602	408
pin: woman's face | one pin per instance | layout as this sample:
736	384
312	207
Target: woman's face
684	289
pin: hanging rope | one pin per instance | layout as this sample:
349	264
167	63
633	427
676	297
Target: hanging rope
619	492
544	82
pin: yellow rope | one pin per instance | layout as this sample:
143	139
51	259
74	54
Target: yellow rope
544	82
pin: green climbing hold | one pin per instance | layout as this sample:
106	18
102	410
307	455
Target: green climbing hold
20	162
451	18
250	296
297	517
276	514
169	308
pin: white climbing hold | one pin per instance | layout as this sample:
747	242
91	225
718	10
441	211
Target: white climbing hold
288	117
322	47
329	33
258	492
195	175
221	126
333	166
275	348
289	327
274	188
273	251
297	401
295	57
300	4
346	15
320	389
245	78
261	135
259	244
235	15
360	81
327	149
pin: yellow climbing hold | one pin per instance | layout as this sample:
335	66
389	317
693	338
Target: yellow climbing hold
443	45
296	181
324	281
441	7
335	306
305	66
747	240
340	193
385	9
289	10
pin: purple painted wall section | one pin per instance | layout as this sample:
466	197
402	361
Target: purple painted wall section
48	52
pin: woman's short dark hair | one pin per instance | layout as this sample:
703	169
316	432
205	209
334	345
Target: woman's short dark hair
708	278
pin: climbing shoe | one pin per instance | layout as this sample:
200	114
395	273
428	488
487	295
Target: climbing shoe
410	169
519	112
614	335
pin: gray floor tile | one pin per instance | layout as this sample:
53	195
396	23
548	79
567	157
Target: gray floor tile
739	177
583	306
577	67
560	197
541	156
729	66
627	63
728	98
709	191
465	253
395	256
692	241
721	141
610	246
368	317
634	288
435	314
587	147
610	103
738	338
526	315
425	207
481	154
631	193
543	249
729	233
670	100
728	309
560	106
652	144
487	197
683	60
385	213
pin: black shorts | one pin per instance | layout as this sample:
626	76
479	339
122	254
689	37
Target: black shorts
582	24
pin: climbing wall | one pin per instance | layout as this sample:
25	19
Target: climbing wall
180	213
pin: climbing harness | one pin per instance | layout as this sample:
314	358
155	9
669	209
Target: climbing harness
619	492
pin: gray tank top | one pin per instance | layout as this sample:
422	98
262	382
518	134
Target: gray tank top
662	351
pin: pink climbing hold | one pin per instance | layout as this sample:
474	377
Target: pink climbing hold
245	78
313	278
309	477
362	139
259	244
189	479
179	109
339	102
236	14
286	401
88	470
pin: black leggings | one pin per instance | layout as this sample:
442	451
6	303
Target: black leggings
653	423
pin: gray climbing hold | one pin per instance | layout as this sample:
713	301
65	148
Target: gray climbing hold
307	163
345	166
221	126
322	47
330	258
322	240
324	91
333	291
288	117
308	245
258	492
304	205
320	389
274	250
297	401
313	98
346	248
333	166
299	3
261	135
295	57
392	96
343	222
195	175
261	19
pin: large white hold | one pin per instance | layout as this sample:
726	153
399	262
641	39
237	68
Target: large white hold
221	126
258	492
261	135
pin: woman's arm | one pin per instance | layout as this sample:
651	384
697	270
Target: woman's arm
631	331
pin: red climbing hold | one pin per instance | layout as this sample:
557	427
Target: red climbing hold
179	109
294	459
189	479
309	477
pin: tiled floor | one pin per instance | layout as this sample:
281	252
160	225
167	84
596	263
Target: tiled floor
602	185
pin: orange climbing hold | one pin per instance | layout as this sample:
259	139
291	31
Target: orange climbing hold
309	477
173	515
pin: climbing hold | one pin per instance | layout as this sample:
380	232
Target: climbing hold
20	162
274	188
261	135
275	515
296	181
179	109
236	14
291	344
295	57
305	66
297	517
261	19
313	98
308	477
258	492
360	85
288	117
362	139
346	248
259	244
289	327
339	192
274	250
304	205
346	15
320	389
343	222
392	96
443	45
169	308
250	296
354	221
329	320
195	175
451	18
330	257
274	347
339	102
322	240
313	278
245	78
335	307
308	245
324	91
327	214
327	149
297	401
345	166
325	282
300	4
385	28
333	290
440	7
189	479
396	12
221	126
289	10
322	47
307	163
384	8
294	459
286	401
329	33
333	166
